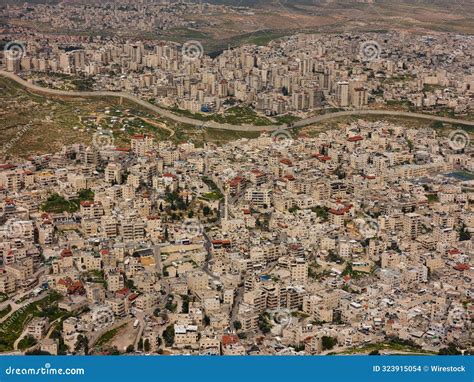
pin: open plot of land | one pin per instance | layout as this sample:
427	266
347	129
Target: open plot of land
269	20
265	21
236	115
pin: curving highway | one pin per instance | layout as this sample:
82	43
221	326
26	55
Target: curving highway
351	113
224	126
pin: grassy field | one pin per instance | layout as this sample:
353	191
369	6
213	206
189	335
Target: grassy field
211	196
286	119
236	115
35	124
5	311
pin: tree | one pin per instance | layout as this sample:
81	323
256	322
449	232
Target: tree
185	305
206	210
37	352
146	345
130	349
140	344
264	323
333	257
237	325
168	335
464	234
207	321
82	344
129	284
328	342
169	304
450	350
321	212
27	342
437	125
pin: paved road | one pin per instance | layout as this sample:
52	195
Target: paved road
224	126
349	113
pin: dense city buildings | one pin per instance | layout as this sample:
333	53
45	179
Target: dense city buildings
259	246
301	240
301	74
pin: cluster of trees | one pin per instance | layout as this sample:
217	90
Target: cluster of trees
328	342
170	305
185	305
143	345
168	335
264	323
